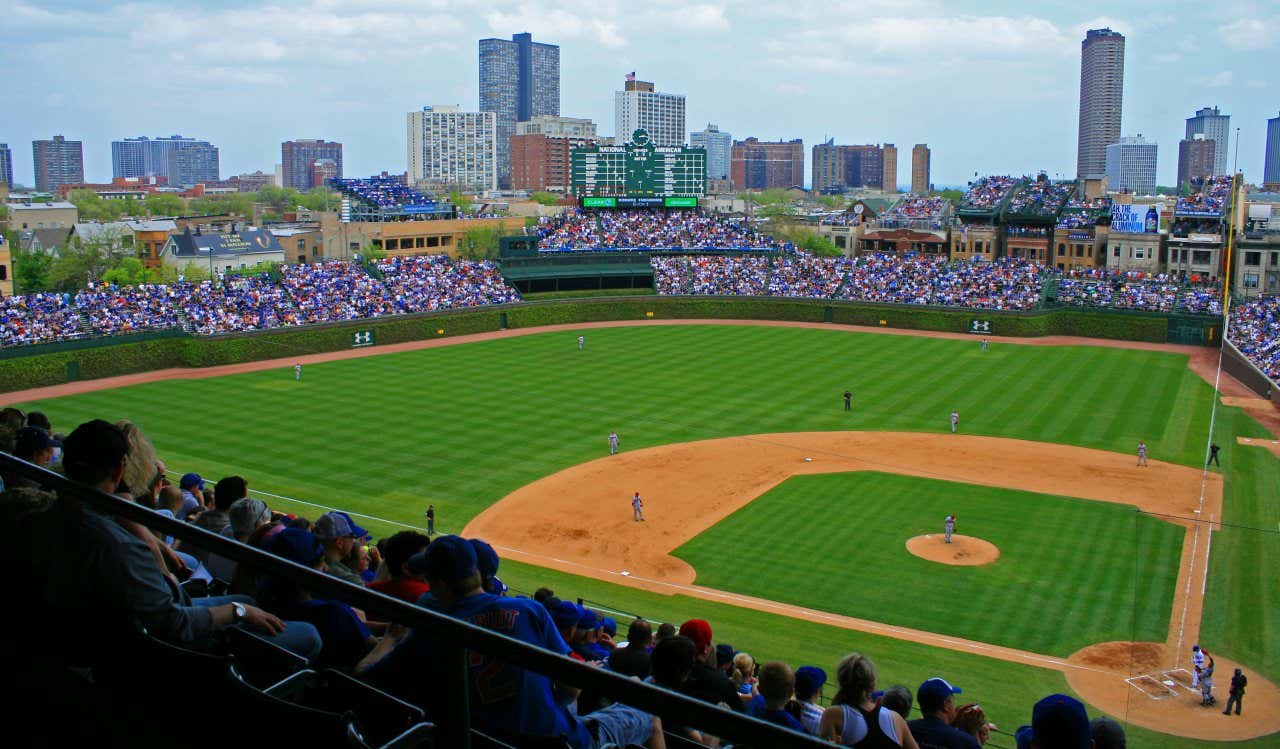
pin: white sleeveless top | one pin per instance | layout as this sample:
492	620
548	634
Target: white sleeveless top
855	728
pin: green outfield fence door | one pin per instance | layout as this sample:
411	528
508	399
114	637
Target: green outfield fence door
73	371
502	321
1188	331
828	314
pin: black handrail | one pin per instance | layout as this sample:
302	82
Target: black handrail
455	633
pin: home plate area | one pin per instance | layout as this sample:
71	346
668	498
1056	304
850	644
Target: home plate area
1163	684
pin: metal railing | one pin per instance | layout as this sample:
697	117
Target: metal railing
455	636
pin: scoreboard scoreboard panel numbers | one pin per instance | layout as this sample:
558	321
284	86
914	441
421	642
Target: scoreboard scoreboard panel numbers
639	169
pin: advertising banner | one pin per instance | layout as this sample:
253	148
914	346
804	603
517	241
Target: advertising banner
1135	218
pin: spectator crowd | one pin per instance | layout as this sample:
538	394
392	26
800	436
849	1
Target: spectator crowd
1255	331
320	292
1098	287
383	192
80	565
988	192
1041	197
647	229
1210	197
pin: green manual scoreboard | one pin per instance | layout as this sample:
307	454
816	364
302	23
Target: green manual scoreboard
639	170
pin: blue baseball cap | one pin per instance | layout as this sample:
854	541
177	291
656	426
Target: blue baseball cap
297	545
587	619
809	679
1060	722
487	563
609	625
334	525
191	481
933	693
565	614
447	558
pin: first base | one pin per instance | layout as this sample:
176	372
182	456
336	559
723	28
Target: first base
808	460
626	573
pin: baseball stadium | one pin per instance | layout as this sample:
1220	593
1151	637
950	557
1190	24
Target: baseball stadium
1106	444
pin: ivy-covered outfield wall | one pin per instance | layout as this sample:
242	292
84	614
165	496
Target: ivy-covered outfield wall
53	364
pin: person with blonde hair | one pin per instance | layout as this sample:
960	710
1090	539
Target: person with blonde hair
142	474
855	718
743	676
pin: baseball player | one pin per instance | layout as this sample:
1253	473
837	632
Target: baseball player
637	508
949	527
955	421
848	400
582	342
430	515
613	443
1197	663
297	372
1206	684
1142	453
985	344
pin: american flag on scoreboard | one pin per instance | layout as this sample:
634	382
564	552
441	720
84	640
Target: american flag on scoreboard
631	77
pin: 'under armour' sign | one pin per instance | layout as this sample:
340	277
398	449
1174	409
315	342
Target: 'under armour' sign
362	338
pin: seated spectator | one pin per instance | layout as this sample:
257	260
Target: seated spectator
776	686
565	615
346	639
854	717
588	637
809	682
706	683
244	517
743	676
608	631
85	567
404	580
33	445
1107	733
634	659
534	705
142	475
192	487
971	719
665	630
1060	722
488	562
339	535
898	699
938	709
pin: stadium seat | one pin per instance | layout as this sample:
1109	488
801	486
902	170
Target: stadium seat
259	661
379	719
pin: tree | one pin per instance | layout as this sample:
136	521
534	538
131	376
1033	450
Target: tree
31	271
542	197
833	201
463	202
78	264
194	273
279	199
317	199
480	243
954	197
165	204
128	271
373	253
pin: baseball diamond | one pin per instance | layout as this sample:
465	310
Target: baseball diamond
1106	572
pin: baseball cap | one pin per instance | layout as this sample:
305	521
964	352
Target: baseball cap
446	558
1107	733
335	525
809	679
725	653
588	620
1022	737
360	533
565	614
296	545
31	440
609	625
699	631
487	564
1060	722
1195	648
933	693
191	481
246	515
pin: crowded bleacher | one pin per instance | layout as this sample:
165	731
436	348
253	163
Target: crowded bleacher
915	211
1041	198
261	625
383	192
1210	197
647	230
323	292
1080	213
988	192
1255	331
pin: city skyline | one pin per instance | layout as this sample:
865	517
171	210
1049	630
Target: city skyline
923	63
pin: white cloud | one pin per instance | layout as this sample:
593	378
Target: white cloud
1221	79
1251	33
558	24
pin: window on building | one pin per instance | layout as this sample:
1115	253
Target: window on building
1253	258
1062	250
1275	258
433	241
1139	253
1079	250
1251	280
302	259
1115	252
1201	257
4	272
446	241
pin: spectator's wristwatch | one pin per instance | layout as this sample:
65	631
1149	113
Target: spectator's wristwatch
237	612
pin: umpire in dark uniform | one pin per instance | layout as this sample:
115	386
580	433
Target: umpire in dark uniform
848	401
1213	456
1238	683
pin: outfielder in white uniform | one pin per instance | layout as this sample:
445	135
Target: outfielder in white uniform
613	443
582	342
955	421
949	527
1142	453
297	371
637	508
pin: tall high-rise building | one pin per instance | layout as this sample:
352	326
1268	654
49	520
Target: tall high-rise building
838	168
638	105
6	165
920	169
761	165
1271	164
1195	159
518	80
450	148
719	147
299	157
130	157
1214	126
57	162
192	164
1131	166
1101	99
889	177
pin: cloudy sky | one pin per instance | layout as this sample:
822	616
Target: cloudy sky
991	86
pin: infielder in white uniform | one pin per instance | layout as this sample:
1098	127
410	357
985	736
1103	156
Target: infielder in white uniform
297	371
637	508
1142	453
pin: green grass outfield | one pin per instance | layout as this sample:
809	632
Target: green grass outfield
462	426
837	542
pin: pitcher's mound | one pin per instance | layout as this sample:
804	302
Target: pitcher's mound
965	551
